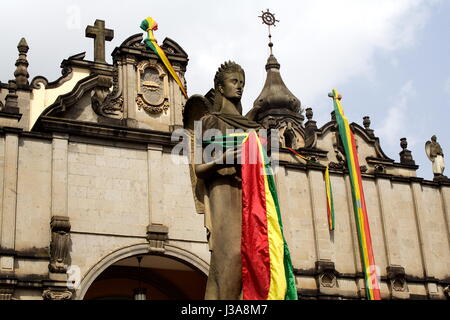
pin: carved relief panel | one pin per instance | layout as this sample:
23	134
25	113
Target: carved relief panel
153	88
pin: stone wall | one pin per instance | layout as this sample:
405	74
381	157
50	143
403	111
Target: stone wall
113	191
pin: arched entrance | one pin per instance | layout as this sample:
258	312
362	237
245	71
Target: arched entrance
177	274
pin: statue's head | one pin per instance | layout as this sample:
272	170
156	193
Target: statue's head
433	138
229	83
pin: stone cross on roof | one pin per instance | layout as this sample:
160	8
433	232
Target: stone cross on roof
100	35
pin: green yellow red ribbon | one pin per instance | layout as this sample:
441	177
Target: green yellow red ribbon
359	203
150	25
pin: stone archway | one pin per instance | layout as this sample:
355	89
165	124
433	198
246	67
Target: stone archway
175	274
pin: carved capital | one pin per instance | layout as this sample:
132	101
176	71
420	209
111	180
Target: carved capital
60	223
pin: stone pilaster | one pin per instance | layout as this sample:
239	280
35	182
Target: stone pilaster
60	246
130	90
8	207
319	209
389	222
425	249
155	184
59	174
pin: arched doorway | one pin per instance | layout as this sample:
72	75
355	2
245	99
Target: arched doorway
162	273
162	277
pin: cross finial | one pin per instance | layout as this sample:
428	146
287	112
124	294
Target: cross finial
100	35
268	19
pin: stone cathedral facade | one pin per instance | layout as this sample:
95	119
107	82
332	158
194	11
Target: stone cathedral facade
88	185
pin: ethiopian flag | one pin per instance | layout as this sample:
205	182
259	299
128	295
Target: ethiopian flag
150	25
267	272
359	203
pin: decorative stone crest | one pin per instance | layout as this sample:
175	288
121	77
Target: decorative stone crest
60	244
153	88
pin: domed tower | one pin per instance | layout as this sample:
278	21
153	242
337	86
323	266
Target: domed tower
276	106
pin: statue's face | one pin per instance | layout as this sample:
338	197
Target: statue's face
233	86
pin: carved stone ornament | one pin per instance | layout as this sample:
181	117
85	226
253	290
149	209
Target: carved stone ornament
327	274
105	102
60	245
153	88
397	278
57	294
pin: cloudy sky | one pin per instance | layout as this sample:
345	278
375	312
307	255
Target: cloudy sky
390	59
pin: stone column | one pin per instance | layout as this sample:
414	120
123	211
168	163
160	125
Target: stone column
8	213
60	245
157	231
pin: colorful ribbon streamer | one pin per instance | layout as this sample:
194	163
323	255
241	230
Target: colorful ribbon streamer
150	25
329	190
359	203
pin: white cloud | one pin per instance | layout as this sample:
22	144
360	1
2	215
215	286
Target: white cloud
393	127
320	44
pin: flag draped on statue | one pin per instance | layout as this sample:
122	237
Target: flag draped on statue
359	204
150	25
267	272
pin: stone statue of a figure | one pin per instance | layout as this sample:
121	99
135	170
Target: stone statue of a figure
435	154
216	184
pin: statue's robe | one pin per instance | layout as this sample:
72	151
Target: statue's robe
436	155
223	206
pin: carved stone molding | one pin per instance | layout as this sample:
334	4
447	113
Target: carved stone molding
157	234
60	244
6	293
397	278
57	294
153	87
7	288
327	274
